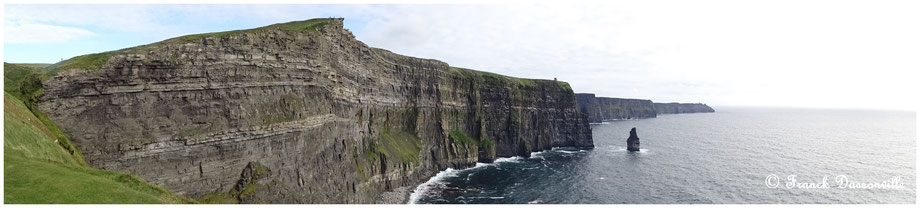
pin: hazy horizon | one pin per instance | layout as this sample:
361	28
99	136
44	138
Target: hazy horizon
799	54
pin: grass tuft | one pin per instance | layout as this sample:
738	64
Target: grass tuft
486	142
249	190
460	138
87	62
221	197
403	144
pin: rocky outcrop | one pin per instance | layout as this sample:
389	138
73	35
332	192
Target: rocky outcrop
632	143
675	108
600	109
335	121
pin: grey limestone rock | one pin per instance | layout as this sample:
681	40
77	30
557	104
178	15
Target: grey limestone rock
335	121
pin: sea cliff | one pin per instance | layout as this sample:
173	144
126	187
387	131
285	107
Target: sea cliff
297	112
675	108
599	109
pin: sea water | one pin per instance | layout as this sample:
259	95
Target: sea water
735	155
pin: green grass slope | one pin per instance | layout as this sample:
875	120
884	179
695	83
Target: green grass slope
40	167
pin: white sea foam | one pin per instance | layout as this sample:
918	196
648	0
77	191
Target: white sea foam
567	152
618	149
435	180
508	159
535	154
424	187
607	121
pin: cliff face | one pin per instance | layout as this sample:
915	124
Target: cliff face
674	108
323	117
599	109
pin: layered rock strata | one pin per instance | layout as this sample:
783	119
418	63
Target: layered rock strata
298	112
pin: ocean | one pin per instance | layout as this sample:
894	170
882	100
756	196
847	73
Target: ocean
735	155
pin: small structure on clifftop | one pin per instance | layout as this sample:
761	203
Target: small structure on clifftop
632	143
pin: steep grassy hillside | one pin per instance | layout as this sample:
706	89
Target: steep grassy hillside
40	165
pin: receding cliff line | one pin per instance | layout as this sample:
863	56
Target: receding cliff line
675	108
327	118
599	109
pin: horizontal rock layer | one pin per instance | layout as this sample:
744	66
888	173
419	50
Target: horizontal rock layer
330	119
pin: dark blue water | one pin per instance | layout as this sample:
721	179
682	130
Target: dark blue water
722	157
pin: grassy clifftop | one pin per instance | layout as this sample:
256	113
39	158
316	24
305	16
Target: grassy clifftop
41	166
97	60
505	80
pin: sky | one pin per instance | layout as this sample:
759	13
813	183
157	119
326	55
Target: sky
815	54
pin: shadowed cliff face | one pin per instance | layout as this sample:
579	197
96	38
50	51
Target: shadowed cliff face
330	119
675	108
599	109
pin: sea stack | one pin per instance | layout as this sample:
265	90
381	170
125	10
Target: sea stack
632	143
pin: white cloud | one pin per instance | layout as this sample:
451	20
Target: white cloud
851	53
125	18
41	33
778	53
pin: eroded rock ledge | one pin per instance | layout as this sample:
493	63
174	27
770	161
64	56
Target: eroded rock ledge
335	121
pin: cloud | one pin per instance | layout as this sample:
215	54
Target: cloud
41	33
587	45
123	18
719	52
